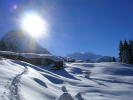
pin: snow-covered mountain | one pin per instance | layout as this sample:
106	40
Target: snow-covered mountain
84	56
19	41
105	59
105	81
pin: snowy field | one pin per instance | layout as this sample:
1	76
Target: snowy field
107	81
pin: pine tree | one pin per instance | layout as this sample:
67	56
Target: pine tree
2	45
131	52
113	59
120	51
125	53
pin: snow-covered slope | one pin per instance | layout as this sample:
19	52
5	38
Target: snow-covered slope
84	56
19	41
23	81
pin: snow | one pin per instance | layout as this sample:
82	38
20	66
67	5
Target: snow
107	81
8	52
33	55
8	79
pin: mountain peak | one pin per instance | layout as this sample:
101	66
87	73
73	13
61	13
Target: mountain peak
84	56
20	41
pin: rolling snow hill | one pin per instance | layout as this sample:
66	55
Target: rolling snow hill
19	41
23	81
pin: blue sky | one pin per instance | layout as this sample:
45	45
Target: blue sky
76	25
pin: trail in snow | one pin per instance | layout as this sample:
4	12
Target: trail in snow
14	86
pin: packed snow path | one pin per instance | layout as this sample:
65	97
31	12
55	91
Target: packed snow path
14	86
10	80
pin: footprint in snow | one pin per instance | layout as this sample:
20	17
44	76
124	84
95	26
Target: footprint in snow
79	97
64	89
65	96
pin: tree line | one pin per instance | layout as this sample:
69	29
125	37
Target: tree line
126	51
6	47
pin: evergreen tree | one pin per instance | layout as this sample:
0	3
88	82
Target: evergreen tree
5	47
131	52
2	45
113	59
125	53
120	51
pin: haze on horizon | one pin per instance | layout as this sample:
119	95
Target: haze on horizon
75	25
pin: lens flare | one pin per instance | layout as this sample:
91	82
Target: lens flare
34	24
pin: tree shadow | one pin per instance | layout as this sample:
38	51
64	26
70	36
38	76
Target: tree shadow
124	71
61	72
53	79
40	82
113	81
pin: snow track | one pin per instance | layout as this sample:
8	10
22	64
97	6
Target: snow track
14	86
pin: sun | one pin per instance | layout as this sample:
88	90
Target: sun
34	24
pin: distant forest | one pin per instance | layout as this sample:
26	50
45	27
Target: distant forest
5	47
126	51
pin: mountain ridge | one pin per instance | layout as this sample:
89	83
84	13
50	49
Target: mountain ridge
20	41
84	56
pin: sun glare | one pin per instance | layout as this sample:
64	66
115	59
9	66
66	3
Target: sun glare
34	25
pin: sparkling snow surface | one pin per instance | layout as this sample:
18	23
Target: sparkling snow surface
105	81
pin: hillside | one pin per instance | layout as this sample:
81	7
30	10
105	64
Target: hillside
23	81
19	41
